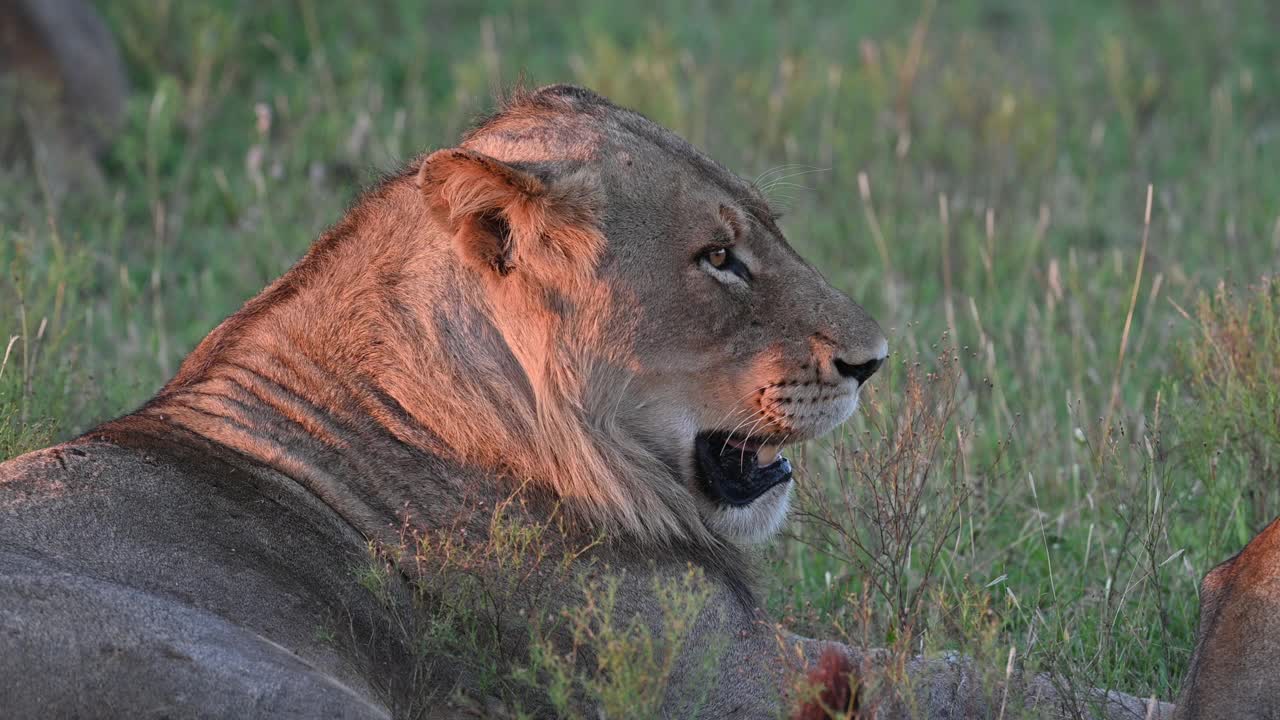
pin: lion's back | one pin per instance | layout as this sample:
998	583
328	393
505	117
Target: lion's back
166	582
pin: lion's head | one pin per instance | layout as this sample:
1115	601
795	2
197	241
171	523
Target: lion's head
574	297
667	342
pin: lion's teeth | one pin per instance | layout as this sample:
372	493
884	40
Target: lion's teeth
768	454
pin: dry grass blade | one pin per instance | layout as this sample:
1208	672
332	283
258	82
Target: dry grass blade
869	209
7	349
1128	322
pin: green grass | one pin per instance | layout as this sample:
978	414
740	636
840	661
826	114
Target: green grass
1006	147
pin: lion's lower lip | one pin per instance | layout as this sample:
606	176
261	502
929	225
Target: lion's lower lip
729	471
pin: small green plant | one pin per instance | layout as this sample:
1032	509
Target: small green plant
622	666
1231	371
457	598
516	615
891	502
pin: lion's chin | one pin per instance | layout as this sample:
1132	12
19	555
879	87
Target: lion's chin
748	484
755	523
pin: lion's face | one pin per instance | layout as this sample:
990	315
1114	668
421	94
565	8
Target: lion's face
713	343
741	347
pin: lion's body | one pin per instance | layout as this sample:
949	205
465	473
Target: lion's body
171	580
149	574
1235	669
537	309
157	582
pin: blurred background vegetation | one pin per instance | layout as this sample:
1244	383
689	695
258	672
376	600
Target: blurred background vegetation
1101	424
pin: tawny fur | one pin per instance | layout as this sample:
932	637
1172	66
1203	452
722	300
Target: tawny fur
1233	672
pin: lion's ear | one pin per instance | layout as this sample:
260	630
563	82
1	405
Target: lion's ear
491	208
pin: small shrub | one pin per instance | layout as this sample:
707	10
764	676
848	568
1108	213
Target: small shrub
1231	371
617	664
517	617
892	502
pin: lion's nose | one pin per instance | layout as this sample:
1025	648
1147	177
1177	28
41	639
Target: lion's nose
860	365
859	371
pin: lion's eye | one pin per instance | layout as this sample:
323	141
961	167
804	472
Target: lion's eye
723	260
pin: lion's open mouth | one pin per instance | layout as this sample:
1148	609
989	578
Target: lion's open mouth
736	470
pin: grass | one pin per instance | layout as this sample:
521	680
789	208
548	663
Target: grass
975	172
517	620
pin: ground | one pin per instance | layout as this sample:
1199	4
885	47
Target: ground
1069	432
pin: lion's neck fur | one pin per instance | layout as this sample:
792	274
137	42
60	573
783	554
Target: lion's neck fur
410	358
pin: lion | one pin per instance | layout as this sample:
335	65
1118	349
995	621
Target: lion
1232	673
64	88
573	301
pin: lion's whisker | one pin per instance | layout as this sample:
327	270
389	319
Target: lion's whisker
743	457
787	184
744	422
780	168
809	171
737	410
